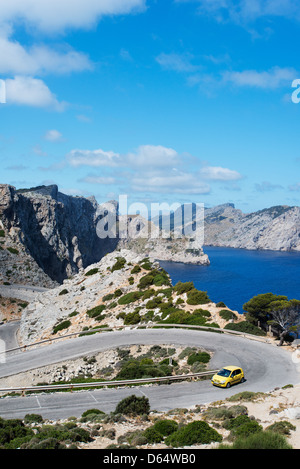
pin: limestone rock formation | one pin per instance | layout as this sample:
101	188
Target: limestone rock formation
276	228
55	231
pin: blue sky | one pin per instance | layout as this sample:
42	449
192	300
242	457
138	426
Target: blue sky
165	101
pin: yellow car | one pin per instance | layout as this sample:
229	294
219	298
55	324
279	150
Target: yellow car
227	376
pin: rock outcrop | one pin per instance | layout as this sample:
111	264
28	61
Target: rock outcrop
54	231
144	237
276	228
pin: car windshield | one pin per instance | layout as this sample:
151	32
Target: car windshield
224	372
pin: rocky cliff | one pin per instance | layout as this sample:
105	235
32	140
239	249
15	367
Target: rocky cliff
47	236
144	237
276	228
54	232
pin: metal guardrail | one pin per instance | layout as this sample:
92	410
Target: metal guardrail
146	326
72	386
98	384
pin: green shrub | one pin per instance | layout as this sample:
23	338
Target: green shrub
152	435
13	250
202	357
132	318
236	421
136	269
47	443
283	427
221	304
154	303
246	327
242	426
13	429
61	326
119	264
260	440
185	287
133	405
180	301
74	313
202	312
197	432
93	411
130	298
246	429
227	315
92	272
197	297
108	297
96	312
134	369
118	293
166	427
225	413
63	292
2	234
33	418
147	265
154	277
178	316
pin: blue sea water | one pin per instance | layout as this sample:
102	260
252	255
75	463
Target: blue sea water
234	276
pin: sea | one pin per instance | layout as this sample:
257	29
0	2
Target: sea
234	276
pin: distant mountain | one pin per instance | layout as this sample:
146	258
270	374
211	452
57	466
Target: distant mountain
276	228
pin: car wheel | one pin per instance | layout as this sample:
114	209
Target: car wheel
228	385
243	380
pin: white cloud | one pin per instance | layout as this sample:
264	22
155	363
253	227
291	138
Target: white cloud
176	62
217	173
55	17
244	11
271	79
155	156
267	186
173	181
53	136
39	59
29	91
93	158
59	15
153	169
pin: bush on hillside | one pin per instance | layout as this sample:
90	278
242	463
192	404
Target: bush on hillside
197	432
197	297
246	327
133	405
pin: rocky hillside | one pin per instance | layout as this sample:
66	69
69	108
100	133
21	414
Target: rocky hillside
276	228
122	289
145	237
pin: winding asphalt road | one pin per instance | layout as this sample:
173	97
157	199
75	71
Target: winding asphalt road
266	367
